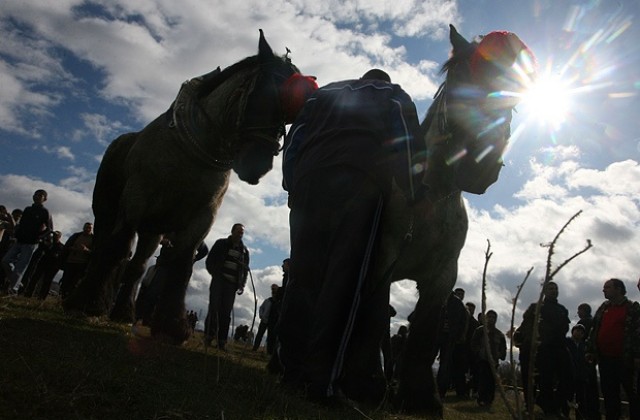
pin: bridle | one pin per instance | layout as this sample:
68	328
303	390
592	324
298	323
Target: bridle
263	132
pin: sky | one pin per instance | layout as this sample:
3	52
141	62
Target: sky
76	74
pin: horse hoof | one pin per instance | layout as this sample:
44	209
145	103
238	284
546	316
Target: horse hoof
176	332
429	405
123	316
371	389
76	306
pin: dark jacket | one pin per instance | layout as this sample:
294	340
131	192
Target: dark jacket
453	321
371	125
497	344
218	255
34	223
553	328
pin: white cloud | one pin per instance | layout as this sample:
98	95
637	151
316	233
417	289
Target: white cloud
62	152
146	49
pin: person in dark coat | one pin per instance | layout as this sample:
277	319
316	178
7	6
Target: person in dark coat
497	351
35	223
76	254
350	141
590	409
228	264
553	360
452	332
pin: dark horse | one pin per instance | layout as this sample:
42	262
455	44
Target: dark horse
170	178
466	129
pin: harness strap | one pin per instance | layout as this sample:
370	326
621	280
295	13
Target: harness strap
185	115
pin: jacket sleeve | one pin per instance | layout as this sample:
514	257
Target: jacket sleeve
292	144
635	334
201	252
215	258
72	239
591	346
502	348
242	281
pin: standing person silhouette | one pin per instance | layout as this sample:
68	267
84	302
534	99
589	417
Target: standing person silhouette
350	141
36	221
228	264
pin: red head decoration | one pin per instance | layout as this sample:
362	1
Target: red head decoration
496	53
295	91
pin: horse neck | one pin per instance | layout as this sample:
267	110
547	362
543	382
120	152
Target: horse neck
439	174
223	105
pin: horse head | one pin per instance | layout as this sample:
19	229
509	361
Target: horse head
277	94
472	109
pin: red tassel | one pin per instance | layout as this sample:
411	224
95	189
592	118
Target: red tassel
294	93
497	52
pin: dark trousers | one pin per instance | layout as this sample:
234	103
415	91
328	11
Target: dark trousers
42	275
525	357
332	319
460	359
222	295
73	272
262	328
272	336
555	378
444	375
614	373
486	382
590	408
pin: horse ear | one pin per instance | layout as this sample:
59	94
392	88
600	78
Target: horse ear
457	41
264	50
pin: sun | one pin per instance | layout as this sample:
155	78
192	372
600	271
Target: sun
548	100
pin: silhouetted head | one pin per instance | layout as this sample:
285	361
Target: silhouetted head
376	74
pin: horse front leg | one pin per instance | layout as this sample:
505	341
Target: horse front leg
416	384
169	321
124	306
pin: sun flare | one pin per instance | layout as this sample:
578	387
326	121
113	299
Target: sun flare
548	100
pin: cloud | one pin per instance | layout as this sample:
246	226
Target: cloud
140	48
100	128
61	152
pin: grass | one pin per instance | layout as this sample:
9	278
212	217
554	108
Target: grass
53	366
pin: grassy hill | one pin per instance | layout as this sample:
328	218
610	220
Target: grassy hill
53	366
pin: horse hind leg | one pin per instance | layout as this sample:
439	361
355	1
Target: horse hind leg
124	306
92	296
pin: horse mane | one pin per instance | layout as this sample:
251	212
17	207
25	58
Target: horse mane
247	63
439	105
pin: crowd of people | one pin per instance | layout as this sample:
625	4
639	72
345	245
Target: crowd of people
565	366
32	254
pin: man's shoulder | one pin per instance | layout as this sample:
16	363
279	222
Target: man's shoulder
634	306
221	241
